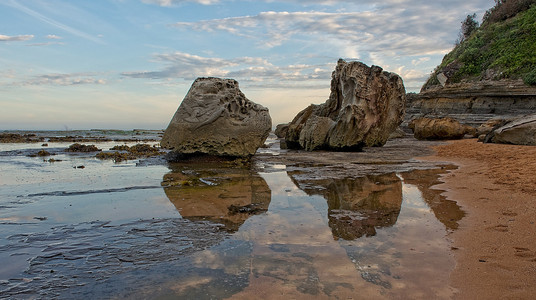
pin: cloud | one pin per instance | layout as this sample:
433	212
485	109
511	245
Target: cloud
370	31
253	70
63	79
403	27
420	60
184	65
16	38
44	44
50	37
382	3
177	2
52	22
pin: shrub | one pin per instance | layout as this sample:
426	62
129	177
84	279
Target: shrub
507	48
469	25
530	78
505	9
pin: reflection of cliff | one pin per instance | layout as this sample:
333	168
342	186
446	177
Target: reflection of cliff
446	211
357	206
218	194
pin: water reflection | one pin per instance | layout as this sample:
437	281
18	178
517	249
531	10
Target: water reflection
310	243
446	211
217	193
357	206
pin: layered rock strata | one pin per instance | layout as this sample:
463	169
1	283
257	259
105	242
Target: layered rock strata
474	103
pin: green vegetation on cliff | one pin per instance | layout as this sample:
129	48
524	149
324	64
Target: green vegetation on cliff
499	49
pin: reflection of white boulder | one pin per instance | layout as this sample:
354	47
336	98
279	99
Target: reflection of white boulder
228	195
216	118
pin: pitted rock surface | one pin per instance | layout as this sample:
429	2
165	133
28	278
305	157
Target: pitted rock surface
216	118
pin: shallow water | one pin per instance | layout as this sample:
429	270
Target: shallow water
214	231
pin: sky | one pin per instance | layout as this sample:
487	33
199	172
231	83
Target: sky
128	64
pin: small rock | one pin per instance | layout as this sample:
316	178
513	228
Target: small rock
281	130
398	133
489	126
439	129
82	148
43	153
520	131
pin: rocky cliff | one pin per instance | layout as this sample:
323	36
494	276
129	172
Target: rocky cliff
474	103
491	74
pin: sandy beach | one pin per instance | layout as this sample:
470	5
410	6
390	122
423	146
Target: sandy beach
494	246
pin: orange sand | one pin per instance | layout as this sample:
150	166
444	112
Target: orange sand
495	245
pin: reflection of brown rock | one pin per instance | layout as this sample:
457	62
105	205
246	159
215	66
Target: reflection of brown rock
223	195
357	206
446	211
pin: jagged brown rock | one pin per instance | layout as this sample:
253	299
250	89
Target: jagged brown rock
366	104
216	118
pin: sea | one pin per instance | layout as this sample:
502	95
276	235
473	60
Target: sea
75	226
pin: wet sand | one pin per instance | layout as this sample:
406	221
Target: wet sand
494	246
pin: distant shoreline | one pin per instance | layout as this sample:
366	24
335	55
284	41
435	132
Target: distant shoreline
90	135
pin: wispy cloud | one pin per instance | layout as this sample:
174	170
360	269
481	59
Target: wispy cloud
44	44
179	65
60	79
399	35
177	2
53	37
403	27
381	30
50	21
15	38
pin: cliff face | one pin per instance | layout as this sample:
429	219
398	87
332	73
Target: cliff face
474	103
491	74
495	51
